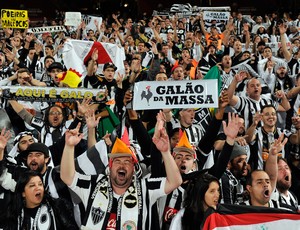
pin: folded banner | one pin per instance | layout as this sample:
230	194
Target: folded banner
175	94
239	217
51	94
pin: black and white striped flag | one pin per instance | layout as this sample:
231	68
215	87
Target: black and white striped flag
181	8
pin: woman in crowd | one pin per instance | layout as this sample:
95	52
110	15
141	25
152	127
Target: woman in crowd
203	192
32	208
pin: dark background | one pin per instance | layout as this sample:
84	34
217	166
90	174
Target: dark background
40	8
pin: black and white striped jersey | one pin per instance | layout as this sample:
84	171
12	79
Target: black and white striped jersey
247	107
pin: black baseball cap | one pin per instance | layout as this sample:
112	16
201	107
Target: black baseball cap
55	65
109	65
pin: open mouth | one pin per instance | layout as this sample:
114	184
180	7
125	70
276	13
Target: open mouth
267	193
121	173
34	167
183	167
287	178
38	195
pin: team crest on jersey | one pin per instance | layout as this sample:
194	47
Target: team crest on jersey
97	215
129	225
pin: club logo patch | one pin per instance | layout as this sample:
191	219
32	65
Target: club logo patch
97	215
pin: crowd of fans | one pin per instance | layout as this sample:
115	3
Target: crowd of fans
108	166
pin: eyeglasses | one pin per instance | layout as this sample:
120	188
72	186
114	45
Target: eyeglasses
55	113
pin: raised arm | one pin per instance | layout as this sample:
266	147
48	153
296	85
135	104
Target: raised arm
285	104
247	35
233	99
271	162
231	130
204	31
250	133
21	111
91	123
286	53
295	137
67	169
207	141
4	137
293	92
116	20
161	140
90	67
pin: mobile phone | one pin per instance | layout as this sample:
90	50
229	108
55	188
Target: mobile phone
8	46
130	104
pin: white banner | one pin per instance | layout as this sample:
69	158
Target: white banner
40	30
72	19
90	21
175	94
216	15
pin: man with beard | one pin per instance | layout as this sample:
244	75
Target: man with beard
119	198
233	179
261	184
36	157
284	182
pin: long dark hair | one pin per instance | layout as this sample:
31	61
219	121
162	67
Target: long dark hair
63	210
18	203
64	113
194	201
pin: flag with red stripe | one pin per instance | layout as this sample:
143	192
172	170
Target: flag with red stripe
241	217
77	52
